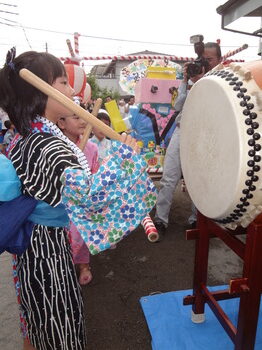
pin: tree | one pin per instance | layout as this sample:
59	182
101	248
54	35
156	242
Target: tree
97	92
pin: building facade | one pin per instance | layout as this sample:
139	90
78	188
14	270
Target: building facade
107	75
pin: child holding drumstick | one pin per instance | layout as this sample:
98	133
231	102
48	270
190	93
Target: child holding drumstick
51	169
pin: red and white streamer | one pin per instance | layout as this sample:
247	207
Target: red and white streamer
132	58
75	55
230	61
150	229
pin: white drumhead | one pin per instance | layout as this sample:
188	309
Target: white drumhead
214	145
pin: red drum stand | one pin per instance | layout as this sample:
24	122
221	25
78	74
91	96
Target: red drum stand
248	288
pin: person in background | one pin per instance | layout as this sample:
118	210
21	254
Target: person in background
108	98
131	102
73	127
3	118
172	171
121	106
103	143
9	134
125	116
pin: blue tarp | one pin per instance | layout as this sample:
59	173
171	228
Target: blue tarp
171	328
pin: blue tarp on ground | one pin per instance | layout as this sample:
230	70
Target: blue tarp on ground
171	328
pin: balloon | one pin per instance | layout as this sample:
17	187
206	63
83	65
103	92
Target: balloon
86	95
77	78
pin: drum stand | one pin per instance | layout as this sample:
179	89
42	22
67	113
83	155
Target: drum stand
248	288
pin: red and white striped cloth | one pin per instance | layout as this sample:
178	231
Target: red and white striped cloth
150	229
132	58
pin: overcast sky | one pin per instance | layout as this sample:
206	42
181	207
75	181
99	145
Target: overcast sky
163	26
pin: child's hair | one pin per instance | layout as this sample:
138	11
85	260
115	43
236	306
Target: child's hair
104	116
7	124
20	100
82	105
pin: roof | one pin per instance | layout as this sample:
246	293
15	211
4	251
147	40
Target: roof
107	68
147	52
234	9
99	69
249	8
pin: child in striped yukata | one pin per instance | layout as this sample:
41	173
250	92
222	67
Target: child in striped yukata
49	171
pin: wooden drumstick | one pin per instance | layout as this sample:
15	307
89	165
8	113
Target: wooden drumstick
47	89
89	127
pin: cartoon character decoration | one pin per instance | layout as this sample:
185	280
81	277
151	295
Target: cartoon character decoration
153	117
154	83
155	94
76	74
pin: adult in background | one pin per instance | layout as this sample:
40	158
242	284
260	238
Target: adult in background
172	165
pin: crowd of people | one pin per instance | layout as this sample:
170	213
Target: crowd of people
40	140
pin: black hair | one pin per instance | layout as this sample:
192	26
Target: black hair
104	116
211	45
7	124
19	99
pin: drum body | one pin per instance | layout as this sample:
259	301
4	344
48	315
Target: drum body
221	142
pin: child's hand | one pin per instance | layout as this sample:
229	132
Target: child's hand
130	141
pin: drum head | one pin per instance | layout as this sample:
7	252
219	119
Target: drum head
214	145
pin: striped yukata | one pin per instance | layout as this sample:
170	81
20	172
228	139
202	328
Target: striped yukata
51	301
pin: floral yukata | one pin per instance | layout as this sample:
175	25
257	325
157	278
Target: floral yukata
104	207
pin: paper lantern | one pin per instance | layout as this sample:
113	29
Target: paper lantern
86	95
76	77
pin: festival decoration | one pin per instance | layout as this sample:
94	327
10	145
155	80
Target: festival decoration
76	77
136	70
155	104
76	74
86	94
115	116
133	58
153	117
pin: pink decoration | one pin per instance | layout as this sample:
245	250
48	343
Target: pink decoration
160	119
162	95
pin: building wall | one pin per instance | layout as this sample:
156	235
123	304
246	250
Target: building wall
112	82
